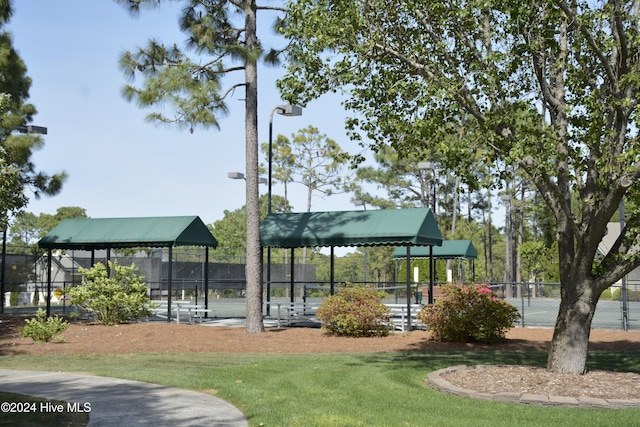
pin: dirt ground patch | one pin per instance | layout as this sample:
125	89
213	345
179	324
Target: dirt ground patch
82	338
164	337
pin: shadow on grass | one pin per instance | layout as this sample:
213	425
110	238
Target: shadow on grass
439	360
614	361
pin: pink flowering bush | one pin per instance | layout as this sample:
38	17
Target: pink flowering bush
469	314
356	312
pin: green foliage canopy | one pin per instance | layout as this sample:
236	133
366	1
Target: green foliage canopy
231	230
28	227
547	87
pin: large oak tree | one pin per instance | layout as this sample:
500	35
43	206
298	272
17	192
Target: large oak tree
548	87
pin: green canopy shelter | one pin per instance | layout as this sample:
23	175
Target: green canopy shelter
112	233
450	249
387	227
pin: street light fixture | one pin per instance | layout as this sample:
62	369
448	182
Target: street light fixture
287	111
236	175
284	110
240	175
29	129
38	130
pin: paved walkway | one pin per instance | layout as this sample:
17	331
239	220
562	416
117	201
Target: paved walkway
116	402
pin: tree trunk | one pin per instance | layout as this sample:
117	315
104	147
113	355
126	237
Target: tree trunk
254	253
570	343
579	294
303	267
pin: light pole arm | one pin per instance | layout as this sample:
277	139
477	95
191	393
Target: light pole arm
270	160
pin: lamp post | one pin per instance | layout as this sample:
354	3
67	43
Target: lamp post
430	166
364	206
29	129
287	111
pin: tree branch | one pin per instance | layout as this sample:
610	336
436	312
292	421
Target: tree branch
277	9
232	89
589	37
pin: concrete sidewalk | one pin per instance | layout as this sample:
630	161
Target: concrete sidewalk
116	402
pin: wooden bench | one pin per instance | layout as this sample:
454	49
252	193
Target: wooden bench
398	318
293	312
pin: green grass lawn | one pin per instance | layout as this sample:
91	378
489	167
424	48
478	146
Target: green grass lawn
324	390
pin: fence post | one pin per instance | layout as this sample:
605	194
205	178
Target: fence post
624	296
522	301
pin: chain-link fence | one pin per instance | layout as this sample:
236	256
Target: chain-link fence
26	283
538	303
25	286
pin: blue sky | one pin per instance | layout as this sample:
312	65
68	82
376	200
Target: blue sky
118	164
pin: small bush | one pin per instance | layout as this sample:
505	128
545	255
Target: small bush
43	328
356	312
469	314
13	298
615	294
114	299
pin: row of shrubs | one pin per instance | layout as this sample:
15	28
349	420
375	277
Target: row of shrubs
464	313
109	297
615	294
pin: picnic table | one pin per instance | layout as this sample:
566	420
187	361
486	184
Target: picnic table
190	308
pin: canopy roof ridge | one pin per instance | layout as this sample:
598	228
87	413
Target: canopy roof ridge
127	232
385	227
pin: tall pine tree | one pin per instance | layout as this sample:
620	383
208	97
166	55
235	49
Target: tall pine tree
17	142
222	46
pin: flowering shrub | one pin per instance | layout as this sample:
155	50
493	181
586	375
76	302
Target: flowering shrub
469	314
356	312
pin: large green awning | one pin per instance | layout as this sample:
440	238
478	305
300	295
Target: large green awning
351	228
103	233
450	249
